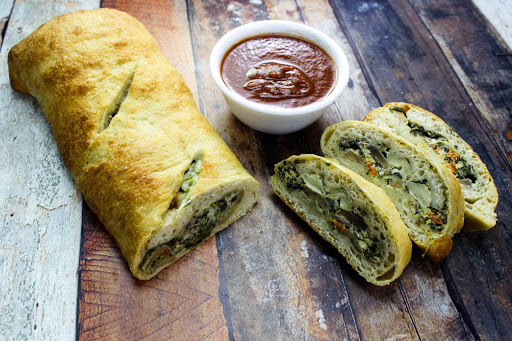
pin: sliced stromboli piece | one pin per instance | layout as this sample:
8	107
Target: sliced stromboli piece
432	134
426	194
355	216
148	163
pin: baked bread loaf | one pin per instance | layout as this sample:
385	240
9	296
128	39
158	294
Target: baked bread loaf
355	216
148	163
429	132
425	193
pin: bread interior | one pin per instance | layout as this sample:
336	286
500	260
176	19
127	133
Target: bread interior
188	222
411	182
334	205
425	129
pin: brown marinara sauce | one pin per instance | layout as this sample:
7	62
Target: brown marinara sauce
279	70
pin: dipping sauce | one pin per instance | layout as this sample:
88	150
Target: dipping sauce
279	70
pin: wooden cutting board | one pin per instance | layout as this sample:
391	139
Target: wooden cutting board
268	276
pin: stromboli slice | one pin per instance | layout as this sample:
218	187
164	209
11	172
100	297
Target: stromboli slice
431	133
148	163
355	216
425	193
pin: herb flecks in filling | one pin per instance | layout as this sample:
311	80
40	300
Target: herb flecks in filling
190	178
197	230
333	206
417	129
392	168
457	164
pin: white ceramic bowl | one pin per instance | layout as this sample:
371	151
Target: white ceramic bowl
266	118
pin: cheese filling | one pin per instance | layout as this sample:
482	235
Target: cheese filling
198	229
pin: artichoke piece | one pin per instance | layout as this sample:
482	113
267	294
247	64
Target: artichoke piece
314	182
420	192
400	163
376	153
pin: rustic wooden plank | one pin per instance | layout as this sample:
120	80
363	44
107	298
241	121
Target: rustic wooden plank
384	309
499	14
412	304
5	11
481	60
265	263
486	77
389	316
182	302
257	289
42	208
404	63
265	274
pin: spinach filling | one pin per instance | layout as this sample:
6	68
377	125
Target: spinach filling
190	178
289	174
333	206
378	165
197	230
458	165
416	129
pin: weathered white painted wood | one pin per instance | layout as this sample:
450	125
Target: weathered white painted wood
499	14
40	225
5	12
5	8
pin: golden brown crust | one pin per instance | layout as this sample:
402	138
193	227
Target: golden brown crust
438	249
77	66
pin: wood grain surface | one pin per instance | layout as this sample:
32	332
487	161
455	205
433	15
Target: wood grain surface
268	276
41	220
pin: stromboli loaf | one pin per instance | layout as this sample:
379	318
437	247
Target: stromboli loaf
147	161
425	193
352	214
432	134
